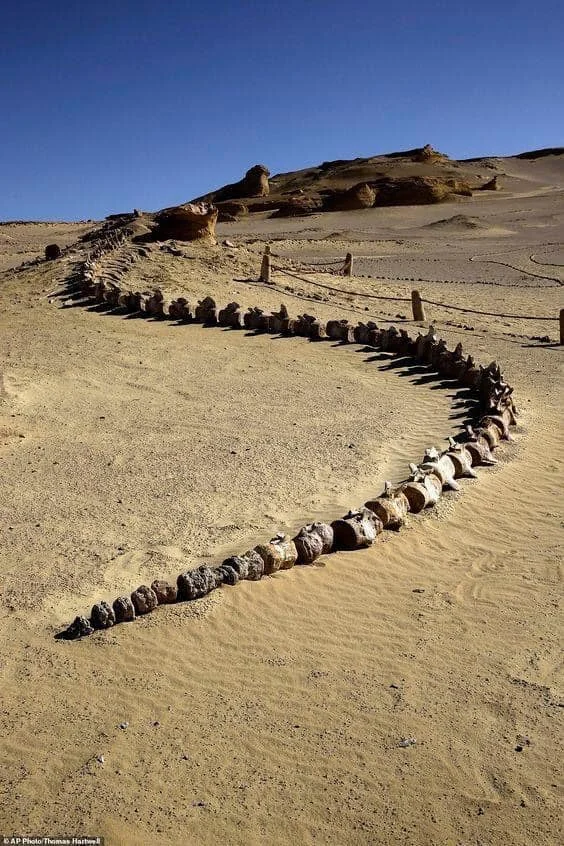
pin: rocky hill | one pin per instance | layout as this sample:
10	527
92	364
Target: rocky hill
409	177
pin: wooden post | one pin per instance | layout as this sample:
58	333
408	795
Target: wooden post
265	267
562	325
417	305
348	265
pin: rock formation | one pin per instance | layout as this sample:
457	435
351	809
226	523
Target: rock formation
253	184
412	191
360	196
299	206
427	154
231	210
191	222
490	185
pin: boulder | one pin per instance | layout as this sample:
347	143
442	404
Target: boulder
124	609
191	222
102	616
165	592
144	600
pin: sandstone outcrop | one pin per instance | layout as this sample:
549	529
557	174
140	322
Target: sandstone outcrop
299	207
427	154
412	191
253	184
191	222
360	196
490	185
231	211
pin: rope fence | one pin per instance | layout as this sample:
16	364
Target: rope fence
417	301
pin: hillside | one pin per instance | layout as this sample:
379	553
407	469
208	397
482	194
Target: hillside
419	176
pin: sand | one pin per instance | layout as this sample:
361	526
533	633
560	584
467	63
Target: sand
272	713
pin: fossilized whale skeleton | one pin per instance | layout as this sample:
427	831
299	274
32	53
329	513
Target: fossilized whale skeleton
439	470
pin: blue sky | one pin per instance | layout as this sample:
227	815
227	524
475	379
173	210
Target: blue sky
109	106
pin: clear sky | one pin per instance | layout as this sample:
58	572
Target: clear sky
106	106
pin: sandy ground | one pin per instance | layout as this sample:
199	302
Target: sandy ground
272	713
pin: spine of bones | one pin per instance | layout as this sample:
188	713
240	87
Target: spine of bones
439	471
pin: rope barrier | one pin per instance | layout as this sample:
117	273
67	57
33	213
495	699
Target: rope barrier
488	313
408	299
340	290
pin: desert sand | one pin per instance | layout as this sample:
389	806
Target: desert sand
272	712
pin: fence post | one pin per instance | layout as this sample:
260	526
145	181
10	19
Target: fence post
562	325
417	306
265	266
348	265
